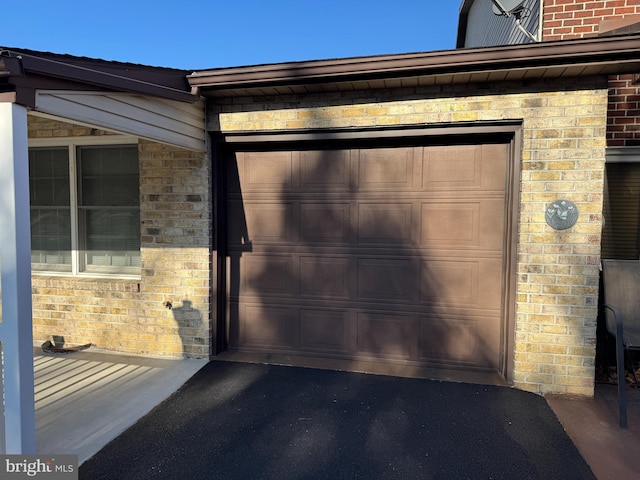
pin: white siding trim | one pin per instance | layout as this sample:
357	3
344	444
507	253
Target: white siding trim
164	121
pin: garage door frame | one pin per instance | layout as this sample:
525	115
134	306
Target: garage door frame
507	132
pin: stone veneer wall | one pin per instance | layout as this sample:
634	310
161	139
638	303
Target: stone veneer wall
563	151
128	315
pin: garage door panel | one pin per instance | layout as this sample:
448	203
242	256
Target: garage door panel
385	279
494	166
325	170
386	169
450	224
492	223
386	335
475	283
469	224
459	340
268	275
452	167
324	277
451	341
260	171
385	223
324	331
464	167
266	221
325	222
449	282
268	326
491	284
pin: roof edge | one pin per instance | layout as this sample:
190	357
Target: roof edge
18	64
585	51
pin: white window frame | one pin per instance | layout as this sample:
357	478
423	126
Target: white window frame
72	143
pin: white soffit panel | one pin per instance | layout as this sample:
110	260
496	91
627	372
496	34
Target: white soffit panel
161	120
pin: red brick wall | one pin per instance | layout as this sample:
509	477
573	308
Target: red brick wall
623	114
567	19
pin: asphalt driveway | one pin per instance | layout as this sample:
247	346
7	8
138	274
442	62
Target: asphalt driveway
249	421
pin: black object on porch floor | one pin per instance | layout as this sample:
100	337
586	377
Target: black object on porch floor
249	421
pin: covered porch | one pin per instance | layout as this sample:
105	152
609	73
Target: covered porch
142	102
83	400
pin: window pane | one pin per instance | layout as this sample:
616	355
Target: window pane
49	177
109	176
50	209
112	191
112	239
620	236
109	212
113	230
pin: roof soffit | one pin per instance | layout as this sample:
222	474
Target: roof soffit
597	56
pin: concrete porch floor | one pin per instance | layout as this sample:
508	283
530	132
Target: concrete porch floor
86	399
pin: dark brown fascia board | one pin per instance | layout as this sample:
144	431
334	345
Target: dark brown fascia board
17	64
541	56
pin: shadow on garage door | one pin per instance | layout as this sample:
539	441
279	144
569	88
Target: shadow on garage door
393	254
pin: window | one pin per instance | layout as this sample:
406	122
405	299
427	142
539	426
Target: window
621	232
50	209
85	208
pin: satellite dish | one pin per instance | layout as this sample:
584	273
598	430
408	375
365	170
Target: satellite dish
515	9
507	7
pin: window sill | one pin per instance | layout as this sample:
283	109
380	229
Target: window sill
88	276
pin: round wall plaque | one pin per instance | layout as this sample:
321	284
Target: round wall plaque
561	214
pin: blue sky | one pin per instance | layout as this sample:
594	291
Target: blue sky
202	34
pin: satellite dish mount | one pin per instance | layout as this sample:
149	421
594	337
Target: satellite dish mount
515	9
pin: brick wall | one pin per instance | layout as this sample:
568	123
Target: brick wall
129	315
623	123
566	19
562	156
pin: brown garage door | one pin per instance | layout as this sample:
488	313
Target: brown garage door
392	254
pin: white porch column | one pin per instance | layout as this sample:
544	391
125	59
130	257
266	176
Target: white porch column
16	336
